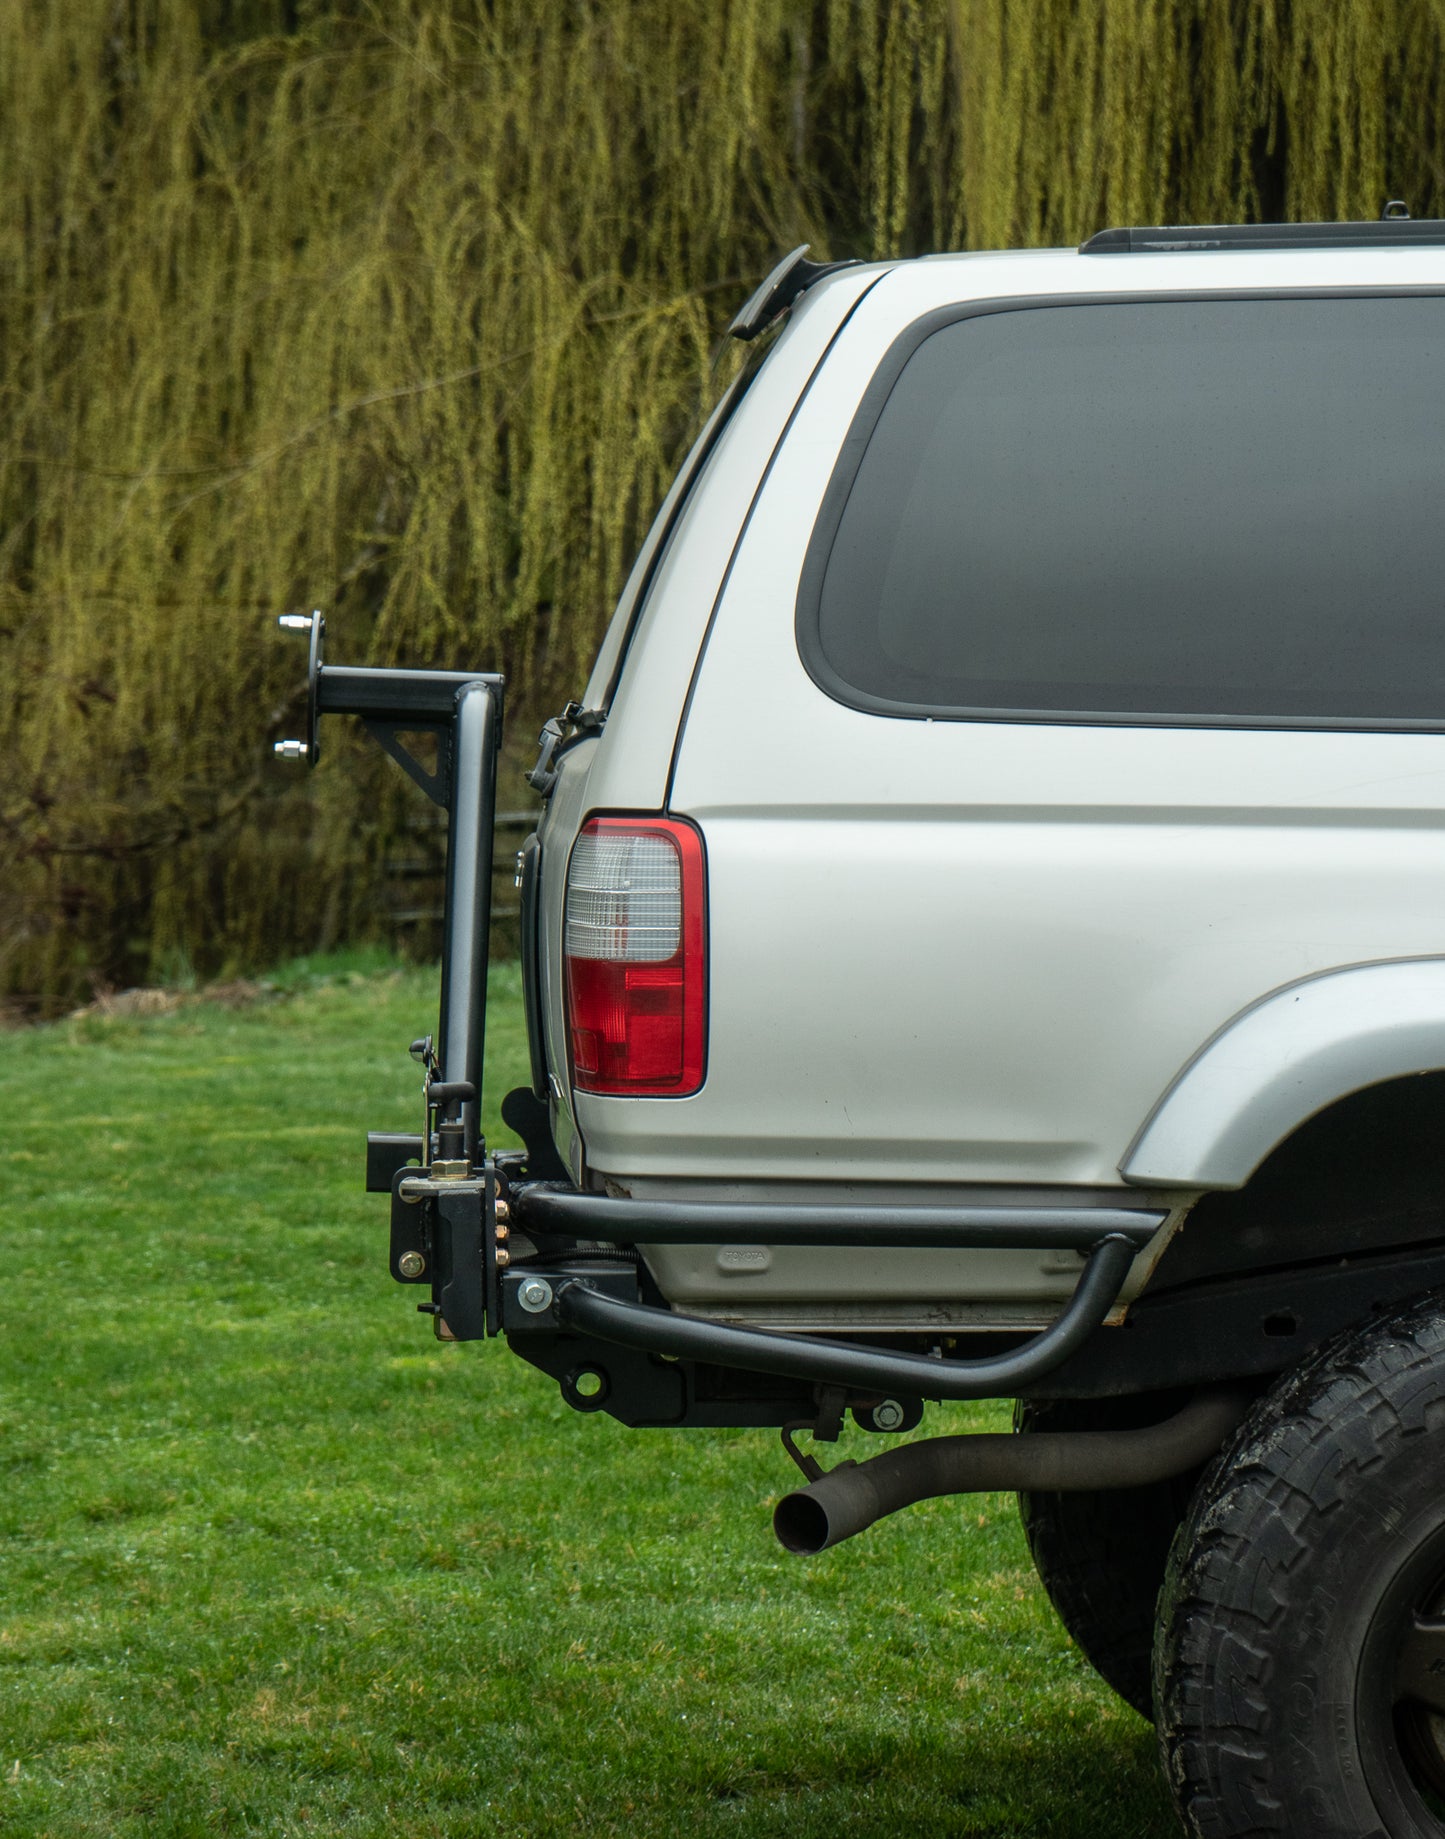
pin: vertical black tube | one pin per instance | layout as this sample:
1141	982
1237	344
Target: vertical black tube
468	918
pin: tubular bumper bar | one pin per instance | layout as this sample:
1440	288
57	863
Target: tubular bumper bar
845	1363
665	1222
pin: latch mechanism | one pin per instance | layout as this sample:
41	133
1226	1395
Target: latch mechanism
573	724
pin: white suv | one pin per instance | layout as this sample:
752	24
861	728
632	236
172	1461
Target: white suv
984	940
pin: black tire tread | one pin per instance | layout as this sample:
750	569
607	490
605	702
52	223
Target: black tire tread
1261	1510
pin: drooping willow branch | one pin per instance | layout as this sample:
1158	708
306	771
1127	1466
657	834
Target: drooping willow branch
408	309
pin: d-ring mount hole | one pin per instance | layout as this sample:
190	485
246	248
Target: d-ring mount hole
586	1387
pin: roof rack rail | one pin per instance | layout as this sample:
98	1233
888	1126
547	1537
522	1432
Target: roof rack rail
1394	227
792	276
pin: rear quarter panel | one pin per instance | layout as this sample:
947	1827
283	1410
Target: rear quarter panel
628	767
977	952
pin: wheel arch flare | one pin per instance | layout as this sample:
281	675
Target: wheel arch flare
1282	1060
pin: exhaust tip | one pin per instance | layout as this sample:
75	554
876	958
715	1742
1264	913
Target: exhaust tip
800	1522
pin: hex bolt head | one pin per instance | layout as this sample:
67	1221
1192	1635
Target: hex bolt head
535	1295
295	622
290	750
888	1415
411	1264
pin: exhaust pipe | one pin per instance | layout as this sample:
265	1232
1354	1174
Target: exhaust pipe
852	1496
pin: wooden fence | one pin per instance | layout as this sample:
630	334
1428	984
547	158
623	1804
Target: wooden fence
415	882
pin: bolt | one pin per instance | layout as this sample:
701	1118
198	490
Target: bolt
290	750
535	1295
502	1234
295	622
889	1415
504	1257
503	1212
411	1264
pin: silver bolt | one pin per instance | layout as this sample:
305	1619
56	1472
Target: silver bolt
295	622
411	1264
503	1213
291	750
889	1415
504	1257
535	1295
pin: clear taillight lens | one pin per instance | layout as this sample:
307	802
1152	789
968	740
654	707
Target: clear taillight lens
635	951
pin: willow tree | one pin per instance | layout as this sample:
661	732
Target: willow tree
405	308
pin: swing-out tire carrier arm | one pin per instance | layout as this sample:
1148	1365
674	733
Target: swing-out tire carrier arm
449	1241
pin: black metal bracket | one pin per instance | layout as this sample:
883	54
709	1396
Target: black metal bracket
444	1235
436	784
826	1427
388	1152
413	1249
464	1288
808	1466
558	734
526	1113
463	709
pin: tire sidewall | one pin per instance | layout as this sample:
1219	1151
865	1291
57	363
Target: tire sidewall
1292	1581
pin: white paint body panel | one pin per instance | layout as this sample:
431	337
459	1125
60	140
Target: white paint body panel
980	951
627	769
973	952
630	769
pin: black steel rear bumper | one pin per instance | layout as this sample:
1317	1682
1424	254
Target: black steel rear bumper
1111	1238
859	1369
624	1221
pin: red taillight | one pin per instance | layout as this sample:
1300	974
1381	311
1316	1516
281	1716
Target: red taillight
636	958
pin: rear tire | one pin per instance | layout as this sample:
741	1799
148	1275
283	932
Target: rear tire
1300	1656
1101	1556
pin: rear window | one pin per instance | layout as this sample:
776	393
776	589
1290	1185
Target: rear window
1218	510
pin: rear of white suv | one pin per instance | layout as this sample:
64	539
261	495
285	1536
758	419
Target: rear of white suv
1069	686
984	942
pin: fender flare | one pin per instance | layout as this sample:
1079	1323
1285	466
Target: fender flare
1286	1057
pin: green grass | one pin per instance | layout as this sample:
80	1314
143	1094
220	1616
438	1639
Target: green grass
276	1562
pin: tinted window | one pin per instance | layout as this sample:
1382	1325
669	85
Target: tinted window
1223	509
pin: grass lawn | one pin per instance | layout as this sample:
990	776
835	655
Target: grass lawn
276	1562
